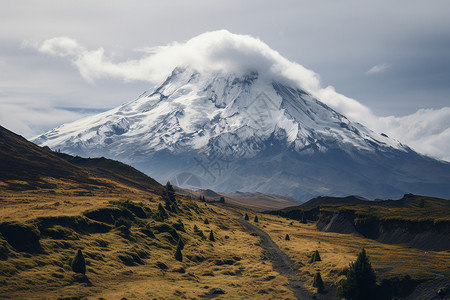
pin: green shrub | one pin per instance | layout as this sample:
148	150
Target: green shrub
246	218
287	238
256	219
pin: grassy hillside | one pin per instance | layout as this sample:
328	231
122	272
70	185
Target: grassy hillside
337	251
52	205
131	235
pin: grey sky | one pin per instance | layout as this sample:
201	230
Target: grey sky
339	40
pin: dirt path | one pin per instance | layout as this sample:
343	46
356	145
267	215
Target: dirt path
281	262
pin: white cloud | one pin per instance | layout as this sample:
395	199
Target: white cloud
377	69
427	131
222	50
208	52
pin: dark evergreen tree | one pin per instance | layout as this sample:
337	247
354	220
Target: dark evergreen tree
318	282
178	254
361	280
211	236
315	256
256	219
246	218
287	238
206	221
78	263
170	192
222	200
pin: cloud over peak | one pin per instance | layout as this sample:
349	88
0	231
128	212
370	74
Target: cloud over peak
222	50
208	52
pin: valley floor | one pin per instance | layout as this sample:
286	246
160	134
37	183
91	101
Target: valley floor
247	260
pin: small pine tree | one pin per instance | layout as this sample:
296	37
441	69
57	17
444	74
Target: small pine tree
78	263
287	238
361	280
222	200
169	192
206	221
178	254
315	256
211	236
318	282
246	218
256	219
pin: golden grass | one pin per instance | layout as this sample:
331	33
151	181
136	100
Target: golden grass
243	275
48	275
338	250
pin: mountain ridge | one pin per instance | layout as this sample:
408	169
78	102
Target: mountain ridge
246	132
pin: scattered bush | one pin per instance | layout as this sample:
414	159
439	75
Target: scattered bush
211	236
78	263
246	218
287	238
318	282
256	219
206	221
315	257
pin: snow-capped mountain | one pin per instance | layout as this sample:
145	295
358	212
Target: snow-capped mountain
246	132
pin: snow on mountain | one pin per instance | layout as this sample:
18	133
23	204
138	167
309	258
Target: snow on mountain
243	131
188	110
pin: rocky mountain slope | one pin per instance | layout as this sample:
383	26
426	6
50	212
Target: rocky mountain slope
249	132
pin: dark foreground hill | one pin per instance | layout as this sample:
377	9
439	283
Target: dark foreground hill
26	166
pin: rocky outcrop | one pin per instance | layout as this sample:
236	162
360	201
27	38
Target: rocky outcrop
425	235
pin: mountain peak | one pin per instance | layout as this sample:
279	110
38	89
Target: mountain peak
234	118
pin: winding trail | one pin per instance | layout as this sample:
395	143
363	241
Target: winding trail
281	262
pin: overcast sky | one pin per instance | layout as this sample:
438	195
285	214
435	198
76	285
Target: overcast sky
391	56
